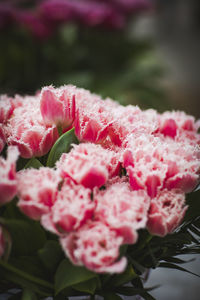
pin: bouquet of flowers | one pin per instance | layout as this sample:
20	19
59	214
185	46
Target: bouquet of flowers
92	194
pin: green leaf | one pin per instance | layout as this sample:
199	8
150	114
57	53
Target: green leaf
30	264
28	295
33	163
126	276
62	145
68	275
25	280
50	255
27	236
88	286
173	266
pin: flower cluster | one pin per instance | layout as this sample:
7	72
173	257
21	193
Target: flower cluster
46	15
130	171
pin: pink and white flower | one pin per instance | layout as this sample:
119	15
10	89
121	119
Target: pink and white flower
166	212
96	247
8	180
72	208
26	129
91	122
122	209
156	162
37	191
89	164
58	105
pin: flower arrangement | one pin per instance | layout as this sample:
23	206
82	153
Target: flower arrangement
92	193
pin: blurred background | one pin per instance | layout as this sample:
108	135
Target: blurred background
143	52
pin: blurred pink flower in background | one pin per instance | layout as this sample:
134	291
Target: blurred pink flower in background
95	246
8	180
43	17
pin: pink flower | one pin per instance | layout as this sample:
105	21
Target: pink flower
156	162
96	247
89	164
34	23
176	123
166	212
26	129
123	210
130	119
73	207
2	242
8	182
146	170
91	122
58	106
37	190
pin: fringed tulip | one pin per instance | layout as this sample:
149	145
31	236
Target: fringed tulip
27	130
123	210
89	164
73	207
37	190
166	212
91	122
130	119
96	247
